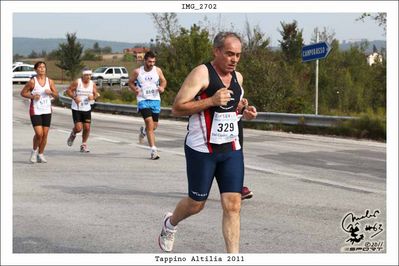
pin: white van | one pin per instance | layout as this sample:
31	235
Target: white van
109	75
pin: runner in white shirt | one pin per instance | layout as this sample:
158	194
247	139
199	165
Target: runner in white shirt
40	90
147	82
83	92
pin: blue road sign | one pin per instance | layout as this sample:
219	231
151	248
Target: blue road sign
315	51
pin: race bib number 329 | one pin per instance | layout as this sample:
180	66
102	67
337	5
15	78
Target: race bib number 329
224	128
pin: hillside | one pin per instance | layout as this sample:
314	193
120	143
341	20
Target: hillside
24	46
378	44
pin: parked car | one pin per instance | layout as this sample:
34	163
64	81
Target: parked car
112	74
22	72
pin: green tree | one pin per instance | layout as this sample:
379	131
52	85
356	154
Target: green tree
292	41
69	56
254	38
360	75
128	58
294	74
259	69
33	54
96	48
326	35
348	85
106	50
378	87
331	80
90	55
167	25
43	54
270	83
179	55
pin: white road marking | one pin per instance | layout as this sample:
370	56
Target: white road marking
107	140
64	131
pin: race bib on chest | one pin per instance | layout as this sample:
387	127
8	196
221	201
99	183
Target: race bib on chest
149	91
43	102
224	128
84	101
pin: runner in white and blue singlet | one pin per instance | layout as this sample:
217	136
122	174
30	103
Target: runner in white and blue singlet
147	82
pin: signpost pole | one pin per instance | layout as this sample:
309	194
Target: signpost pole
317	78
312	52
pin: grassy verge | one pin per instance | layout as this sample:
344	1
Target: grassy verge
368	126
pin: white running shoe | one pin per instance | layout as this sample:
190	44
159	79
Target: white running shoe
142	134
167	236
41	158
154	155
71	138
33	157
84	148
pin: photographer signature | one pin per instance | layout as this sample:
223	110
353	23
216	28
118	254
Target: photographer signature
351	224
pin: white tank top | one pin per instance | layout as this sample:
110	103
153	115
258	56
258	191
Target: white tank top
83	93
43	105
148	83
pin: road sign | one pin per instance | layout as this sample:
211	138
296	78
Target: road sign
315	51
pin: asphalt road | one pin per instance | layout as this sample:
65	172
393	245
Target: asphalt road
112	199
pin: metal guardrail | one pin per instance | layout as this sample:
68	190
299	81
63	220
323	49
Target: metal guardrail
263	117
301	119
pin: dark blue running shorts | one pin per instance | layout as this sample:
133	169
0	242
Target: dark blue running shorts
227	167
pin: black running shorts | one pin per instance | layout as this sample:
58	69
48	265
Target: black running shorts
41	120
81	116
148	113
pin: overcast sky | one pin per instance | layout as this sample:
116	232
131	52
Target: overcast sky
139	27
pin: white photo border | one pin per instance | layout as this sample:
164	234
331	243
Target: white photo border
8	8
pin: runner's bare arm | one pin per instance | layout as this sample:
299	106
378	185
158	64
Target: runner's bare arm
196	81
27	89
162	79
132	81
71	91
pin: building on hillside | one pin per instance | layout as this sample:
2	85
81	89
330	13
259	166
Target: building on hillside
138	53
374	58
